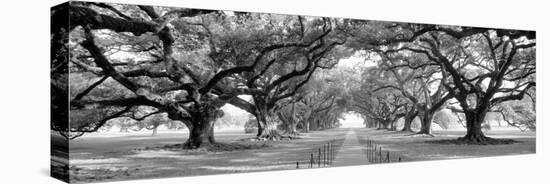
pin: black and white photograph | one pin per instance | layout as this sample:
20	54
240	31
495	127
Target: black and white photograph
274	92
141	91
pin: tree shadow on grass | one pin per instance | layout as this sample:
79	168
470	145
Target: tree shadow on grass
461	141
215	147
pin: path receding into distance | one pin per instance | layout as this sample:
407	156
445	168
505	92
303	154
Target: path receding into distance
351	152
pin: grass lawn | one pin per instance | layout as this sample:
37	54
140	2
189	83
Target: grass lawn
116	156
417	148
113	157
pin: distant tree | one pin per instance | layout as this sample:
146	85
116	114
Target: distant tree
445	119
251	126
384	107
289	70
480	67
520	114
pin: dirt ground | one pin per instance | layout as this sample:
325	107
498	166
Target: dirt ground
111	157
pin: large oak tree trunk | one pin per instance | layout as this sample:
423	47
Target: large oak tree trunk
408	119
201	127
474	133
292	126
393	126
332	121
289	124
268	128
407	124
267	125
200	134
384	125
426	123
313	123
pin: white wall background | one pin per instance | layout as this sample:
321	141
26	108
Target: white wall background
24	38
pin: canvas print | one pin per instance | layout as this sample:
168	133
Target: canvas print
141	92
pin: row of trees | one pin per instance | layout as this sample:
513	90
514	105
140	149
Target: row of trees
472	71
188	63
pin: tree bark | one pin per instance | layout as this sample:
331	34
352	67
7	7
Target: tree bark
267	124
289	124
407	124
426	123
200	134
293	128
268	128
474	133
312	123
292	125
384	125
408	119
201	130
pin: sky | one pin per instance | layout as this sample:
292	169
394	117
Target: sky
355	60
351	120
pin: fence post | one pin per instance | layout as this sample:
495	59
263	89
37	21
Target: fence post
297	165
333	150
319	159
388	156
325	148
380	155
311	161
399	159
330	153
326	156
374	155
368	151
327	153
